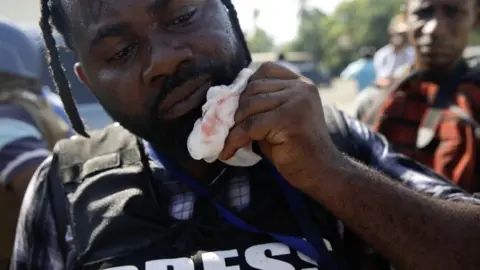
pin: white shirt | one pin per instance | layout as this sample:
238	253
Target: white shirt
386	61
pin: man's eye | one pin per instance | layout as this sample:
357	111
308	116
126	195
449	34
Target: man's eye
451	11
123	53
184	19
424	12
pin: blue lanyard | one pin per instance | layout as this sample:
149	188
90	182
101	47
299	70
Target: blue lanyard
317	251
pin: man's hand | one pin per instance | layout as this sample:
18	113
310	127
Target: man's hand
283	112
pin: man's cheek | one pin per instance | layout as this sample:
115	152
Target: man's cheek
124	99
214	44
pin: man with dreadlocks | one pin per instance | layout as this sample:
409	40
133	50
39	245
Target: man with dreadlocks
130	197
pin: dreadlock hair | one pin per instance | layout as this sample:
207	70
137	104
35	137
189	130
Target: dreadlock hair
53	14
232	13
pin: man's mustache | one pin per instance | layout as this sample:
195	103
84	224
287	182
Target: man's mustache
185	73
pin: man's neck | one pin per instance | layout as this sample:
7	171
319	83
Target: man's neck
438	71
197	169
202	171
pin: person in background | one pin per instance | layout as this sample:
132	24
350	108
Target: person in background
29	126
363	101
431	114
391	63
361	70
284	62
394	55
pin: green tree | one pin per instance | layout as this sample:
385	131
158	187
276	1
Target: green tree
363	23
260	41
336	38
366	21
310	33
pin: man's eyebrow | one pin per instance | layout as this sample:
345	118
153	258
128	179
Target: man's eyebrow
158	5
112	30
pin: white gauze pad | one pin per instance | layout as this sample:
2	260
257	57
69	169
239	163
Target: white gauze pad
209	133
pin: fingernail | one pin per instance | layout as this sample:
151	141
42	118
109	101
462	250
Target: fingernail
223	156
229	155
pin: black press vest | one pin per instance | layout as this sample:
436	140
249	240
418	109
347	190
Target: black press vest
120	220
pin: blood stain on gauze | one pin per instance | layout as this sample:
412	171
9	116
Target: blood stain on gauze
207	139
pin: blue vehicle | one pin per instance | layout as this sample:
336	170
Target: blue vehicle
92	113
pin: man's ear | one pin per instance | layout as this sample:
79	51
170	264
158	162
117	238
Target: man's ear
80	73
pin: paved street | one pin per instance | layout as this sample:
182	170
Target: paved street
341	94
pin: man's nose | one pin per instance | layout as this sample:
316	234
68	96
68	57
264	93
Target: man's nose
165	58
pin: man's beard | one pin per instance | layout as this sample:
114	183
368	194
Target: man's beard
169	137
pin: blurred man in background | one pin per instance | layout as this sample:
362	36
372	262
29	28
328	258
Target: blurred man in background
376	91
284	62
391	63
394	55
29	126
361	70
432	114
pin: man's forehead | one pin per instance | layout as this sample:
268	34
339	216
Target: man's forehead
86	15
428	3
91	18
93	10
90	11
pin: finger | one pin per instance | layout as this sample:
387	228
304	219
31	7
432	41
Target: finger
258	126
235	140
254	128
266	85
306	80
274	71
260	103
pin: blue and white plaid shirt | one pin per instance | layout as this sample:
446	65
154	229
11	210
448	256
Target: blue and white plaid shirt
36	241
